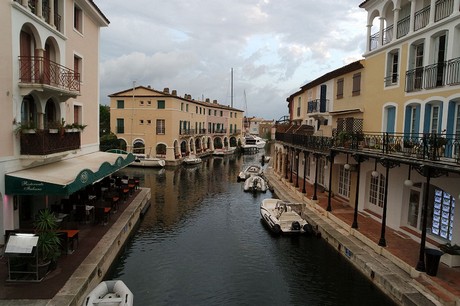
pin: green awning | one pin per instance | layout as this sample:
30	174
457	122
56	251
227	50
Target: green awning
66	176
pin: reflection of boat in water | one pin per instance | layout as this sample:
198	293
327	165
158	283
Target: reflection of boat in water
250	170
191	160
255	183
281	218
112	292
224	151
143	160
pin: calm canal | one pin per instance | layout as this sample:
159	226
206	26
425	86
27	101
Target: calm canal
202	243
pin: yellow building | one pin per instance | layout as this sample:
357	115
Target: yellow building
165	125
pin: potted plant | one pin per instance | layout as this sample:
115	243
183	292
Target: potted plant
408	145
54	126
48	246
344	138
26	128
451	256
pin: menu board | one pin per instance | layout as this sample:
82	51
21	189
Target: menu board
18	244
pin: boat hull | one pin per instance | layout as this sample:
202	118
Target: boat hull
255	183
112	292
281	219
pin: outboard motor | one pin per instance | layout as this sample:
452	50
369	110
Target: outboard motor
308	228
295	226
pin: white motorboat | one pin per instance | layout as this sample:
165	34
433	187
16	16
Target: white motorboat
255	183
191	160
143	160
250	145
281	218
224	151
112	292
250	170
260	143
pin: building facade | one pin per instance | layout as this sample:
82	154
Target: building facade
50	89
165	125
394	155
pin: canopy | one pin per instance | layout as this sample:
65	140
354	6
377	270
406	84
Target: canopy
66	176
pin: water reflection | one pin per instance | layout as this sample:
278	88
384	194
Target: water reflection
202	243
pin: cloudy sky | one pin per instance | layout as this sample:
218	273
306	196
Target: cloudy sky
273	46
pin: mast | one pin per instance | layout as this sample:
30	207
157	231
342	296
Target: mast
132	118
231	88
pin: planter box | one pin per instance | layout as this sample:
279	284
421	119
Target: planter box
451	260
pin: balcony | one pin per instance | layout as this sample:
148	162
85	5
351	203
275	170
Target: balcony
421	20
44	13
442	149
433	76
37	70
42	142
318	106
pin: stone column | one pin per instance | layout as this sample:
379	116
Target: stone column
432	11
368	38
395	22
412	16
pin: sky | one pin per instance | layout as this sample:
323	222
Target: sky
273	46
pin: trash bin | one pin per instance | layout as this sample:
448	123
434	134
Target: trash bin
432	261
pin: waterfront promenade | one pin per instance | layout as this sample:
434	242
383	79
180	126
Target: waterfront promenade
391	268
79	272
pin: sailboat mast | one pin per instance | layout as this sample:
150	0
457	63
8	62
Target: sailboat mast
132	118
231	90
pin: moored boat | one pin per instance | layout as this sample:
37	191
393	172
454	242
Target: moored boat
248	171
191	160
111	292
281	218
143	160
255	183
224	151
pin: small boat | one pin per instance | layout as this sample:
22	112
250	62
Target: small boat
224	151
143	160
264	159
191	160
255	183
260	143
281	218
250	170
250	145
112	292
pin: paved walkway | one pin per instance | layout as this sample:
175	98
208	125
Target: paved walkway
401	251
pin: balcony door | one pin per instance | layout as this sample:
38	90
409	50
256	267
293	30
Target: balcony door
440	54
418	65
25	55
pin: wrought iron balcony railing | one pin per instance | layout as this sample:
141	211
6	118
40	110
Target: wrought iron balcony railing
433	76
318	106
46	12
44	143
432	147
39	70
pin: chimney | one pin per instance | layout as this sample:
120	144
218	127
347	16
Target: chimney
207	100
148	86
166	90
214	101
174	92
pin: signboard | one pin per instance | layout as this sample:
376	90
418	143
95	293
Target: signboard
21	244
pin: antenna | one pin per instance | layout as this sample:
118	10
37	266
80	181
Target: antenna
231	86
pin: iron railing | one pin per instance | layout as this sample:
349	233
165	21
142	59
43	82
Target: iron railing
443	9
422	18
44	143
318	106
433	76
39	70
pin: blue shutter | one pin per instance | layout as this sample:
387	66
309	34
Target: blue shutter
391	113
427	119
407	119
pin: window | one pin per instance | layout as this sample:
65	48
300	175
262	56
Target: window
141	122
149	122
120	103
182	106
322	163
413	123
186	108
141	103
77	111
215	112
120	125
340	88
434	119
161	104
221	113
149	102
377	190
209	112
392	68
78	19
418	64
231	115
298	106
160	126
356	84
344	183
77	61
196	109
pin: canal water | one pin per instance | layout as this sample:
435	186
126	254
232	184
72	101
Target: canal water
202	243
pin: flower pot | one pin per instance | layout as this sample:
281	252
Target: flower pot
53	131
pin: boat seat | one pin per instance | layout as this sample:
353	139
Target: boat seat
107	301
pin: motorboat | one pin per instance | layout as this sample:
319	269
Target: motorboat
260	143
264	159
142	160
255	183
224	151
281	218
111	292
250	145
191	160
250	170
